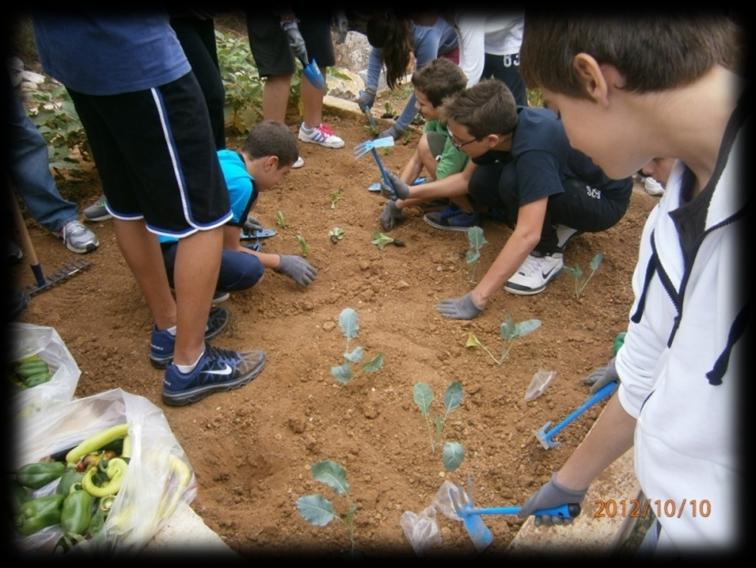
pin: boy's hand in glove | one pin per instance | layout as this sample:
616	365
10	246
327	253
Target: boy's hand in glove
296	41
296	268
602	376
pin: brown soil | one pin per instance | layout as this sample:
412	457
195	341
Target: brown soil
252	448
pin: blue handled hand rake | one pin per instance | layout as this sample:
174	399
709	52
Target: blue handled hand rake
479	533
547	438
312	73
369	146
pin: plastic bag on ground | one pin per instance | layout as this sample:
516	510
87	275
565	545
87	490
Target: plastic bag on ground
29	339
421	530
158	477
541	379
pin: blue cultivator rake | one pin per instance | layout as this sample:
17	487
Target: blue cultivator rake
370	146
547	437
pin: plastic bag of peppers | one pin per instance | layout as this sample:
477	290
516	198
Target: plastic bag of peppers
99	473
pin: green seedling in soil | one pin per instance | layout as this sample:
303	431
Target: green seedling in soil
280	219
581	281
476	240
303	246
390	112
350	327
319	511
509	332
336	234
335	196
453	452
381	240
372	130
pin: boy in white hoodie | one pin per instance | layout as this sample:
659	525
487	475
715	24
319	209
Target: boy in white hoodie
628	90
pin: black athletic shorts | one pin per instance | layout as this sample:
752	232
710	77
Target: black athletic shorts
155	153
270	46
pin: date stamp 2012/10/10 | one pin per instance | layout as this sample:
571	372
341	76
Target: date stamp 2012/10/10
642	508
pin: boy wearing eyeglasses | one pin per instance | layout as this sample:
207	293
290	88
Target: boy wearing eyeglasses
522	169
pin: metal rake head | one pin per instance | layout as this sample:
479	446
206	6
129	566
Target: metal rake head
542	436
368	145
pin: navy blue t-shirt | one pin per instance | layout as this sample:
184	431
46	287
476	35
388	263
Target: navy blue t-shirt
542	156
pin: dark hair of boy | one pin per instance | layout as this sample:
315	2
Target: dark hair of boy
272	138
440	79
708	39
392	34
485	108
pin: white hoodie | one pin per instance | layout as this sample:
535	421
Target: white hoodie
686	441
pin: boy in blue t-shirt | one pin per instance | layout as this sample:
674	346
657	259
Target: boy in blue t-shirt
266	157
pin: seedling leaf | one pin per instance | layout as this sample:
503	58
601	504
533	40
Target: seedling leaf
452	456
374	364
472	341
303	246
315	509
280	219
453	396
332	474
381	240
348	323
356	355
472	256
475	238
596	261
342	373
525	327
423	396
507	329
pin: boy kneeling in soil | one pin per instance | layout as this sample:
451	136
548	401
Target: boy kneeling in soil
522	169
435	152
266	157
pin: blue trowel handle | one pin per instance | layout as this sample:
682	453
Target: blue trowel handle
604	392
378	161
569	510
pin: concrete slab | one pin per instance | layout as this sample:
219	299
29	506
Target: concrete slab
589	532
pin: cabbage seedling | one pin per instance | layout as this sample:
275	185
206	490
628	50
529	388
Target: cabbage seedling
381	240
581	281
349	324
319	511
336	234
280	219
453	452
476	240
303	246
509	332
335	196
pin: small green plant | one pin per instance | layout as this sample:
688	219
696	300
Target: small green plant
390	112
319	511
336	234
477	240
280	219
381	240
241	82
350	327
453	452
581	281
372	130
335	197
509	332
304	248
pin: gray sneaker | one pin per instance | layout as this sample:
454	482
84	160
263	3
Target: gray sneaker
97	211
78	238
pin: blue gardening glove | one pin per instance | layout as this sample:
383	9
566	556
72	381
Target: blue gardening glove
459	308
398	189
392	131
296	268
296	41
602	376
366	100
551	494
391	216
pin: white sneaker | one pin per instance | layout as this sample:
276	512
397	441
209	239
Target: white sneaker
78	238
535	273
321	134
653	187
298	164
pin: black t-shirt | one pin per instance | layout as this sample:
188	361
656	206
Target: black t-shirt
543	158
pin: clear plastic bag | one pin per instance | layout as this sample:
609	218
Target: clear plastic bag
158	477
421	530
541	379
29	339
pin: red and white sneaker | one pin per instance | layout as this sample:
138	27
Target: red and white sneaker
321	134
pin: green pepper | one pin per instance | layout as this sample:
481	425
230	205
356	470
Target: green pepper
115	470
39	513
38	379
36	475
100	515
68	479
77	512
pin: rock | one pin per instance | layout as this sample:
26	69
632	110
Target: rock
328	326
364	265
307	306
402	285
297	424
